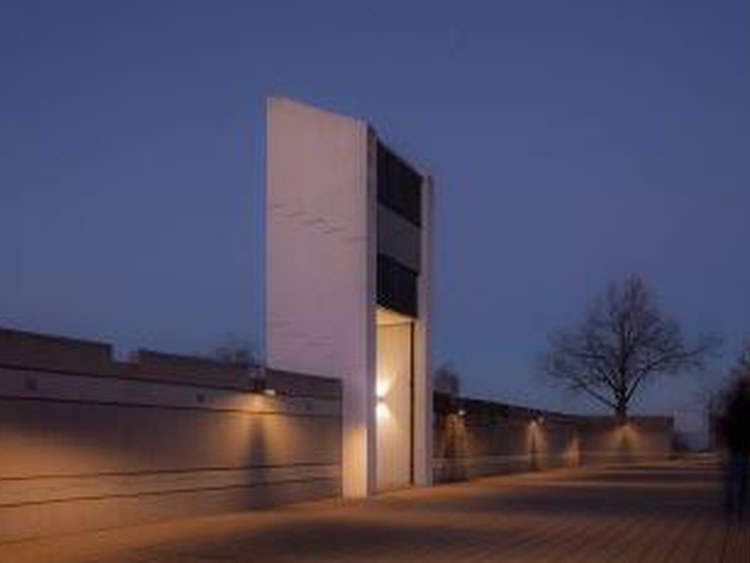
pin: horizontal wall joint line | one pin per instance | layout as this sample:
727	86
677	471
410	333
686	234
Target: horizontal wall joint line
167	407
178	471
171	492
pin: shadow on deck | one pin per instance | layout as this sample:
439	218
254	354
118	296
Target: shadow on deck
659	512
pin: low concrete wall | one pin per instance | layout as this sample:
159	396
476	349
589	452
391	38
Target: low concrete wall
90	443
641	439
477	438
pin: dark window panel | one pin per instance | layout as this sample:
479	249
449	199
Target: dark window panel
397	287
399	186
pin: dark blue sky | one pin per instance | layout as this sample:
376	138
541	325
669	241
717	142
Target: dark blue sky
571	142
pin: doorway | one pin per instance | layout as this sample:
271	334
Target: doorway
394	388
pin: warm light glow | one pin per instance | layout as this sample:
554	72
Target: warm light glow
385	317
628	432
381	409
260	401
269	392
381	391
393	367
572	454
382	387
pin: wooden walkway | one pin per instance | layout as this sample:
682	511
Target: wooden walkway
655	513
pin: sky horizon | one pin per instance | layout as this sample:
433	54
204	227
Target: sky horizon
570	145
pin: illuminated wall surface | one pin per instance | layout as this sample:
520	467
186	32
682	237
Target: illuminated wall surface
394	380
89	443
348	232
475	438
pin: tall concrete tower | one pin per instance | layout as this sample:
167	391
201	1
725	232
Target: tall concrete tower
348	285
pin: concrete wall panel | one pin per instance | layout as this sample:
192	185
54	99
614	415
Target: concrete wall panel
320	264
85	451
478	438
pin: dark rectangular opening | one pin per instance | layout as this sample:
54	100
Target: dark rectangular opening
399	186
397	286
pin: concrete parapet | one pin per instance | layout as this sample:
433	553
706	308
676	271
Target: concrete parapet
21	349
149	364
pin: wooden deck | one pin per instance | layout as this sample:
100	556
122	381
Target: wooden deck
662	512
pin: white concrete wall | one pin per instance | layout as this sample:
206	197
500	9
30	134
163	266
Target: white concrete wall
322	218
320	264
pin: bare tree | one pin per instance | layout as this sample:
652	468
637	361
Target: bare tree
236	351
447	380
742	367
623	341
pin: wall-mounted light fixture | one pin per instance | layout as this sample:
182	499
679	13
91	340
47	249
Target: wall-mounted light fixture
381	408
381	391
259	384
382	386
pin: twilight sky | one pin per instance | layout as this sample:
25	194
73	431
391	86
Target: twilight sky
571	142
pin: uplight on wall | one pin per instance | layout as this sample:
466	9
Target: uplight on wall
381	390
260	386
382	387
626	432
381	409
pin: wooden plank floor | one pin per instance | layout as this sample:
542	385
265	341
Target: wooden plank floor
648	513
